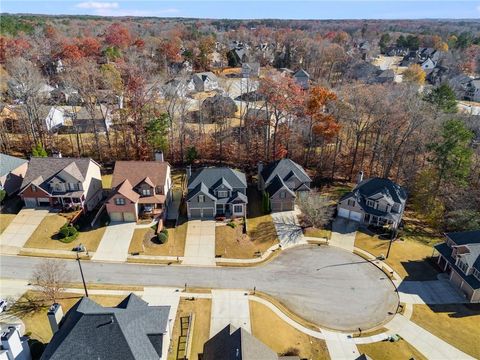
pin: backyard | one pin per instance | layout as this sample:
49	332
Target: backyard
201	308
45	235
457	324
282	337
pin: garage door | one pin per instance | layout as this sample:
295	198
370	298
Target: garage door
353	215
116	216
282	206
43	202
128	216
206	213
30	202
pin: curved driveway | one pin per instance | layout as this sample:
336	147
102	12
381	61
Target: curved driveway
325	285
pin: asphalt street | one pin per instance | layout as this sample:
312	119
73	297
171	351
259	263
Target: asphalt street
325	285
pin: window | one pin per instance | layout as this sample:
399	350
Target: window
73	186
351	202
370	203
283	195
462	266
146	192
476	273
34	188
237	209
120	201
201	198
222	194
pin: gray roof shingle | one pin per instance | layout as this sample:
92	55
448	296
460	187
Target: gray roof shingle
9	163
211	175
283	168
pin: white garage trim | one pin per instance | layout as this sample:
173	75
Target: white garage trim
30	202
350	214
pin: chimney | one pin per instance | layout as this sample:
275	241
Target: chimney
189	171
159	156
55	315
360	177
259	175
57	154
12	344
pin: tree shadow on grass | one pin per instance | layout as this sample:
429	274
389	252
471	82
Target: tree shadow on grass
456	310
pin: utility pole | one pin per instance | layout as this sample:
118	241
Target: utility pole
392	237
81	273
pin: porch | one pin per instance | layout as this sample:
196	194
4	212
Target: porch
379	221
150	211
71	202
230	210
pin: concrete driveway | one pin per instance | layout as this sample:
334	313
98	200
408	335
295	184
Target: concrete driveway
343	233
115	242
229	307
200	243
288	228
20	229
429	292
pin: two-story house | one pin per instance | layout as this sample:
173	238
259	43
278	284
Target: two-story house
375	201
216	191
140	189
283	180
62	183
459	257
205	81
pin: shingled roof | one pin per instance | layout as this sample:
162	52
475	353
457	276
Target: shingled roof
131	330
284	168
211	175
9	163
137	171
42	169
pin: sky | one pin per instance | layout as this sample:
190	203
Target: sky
250	9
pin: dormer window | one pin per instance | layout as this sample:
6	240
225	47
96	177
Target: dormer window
462	266
351	202
201	198
370	203
222	194
146	192
119	201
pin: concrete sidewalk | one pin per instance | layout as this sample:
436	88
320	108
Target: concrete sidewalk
428	344
200	243
115	242
20	229
340	346
229	307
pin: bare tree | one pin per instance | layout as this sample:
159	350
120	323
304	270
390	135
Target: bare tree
51	278
317	210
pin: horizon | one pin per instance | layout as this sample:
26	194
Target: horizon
263	10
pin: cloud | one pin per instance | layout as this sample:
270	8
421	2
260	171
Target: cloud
97	5
133	12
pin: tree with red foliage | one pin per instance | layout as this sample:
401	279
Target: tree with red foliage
89	46
139	43
10	48
118	35
71	52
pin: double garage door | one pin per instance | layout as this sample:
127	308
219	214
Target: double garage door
282	206
122	216
349	214
34	202
206	213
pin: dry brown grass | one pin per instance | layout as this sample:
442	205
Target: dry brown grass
386	350
457	324
201	328
35	319
408	258
5	220
320	233
44	236
175	245
282	337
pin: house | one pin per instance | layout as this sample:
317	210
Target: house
375	201
302	78
251	69
473	90
180	67
427	64
283	180
386	77
177	87
205	81
59	182
459	257
12	172
231	343
218	107
216	191
139	189
13	345
461	84
132	330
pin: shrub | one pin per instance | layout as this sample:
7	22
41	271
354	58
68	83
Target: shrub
68	233
162	238
165	232
232	224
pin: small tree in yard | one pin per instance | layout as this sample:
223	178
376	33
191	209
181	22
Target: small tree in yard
316	210
51	277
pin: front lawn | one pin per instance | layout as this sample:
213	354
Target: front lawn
201	308
5	220
282	337
175	245
457	324
320	233
409	258
45	236
387	350
33	311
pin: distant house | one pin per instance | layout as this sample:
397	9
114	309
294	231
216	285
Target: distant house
283	180
205	81
73	119
302	78
386	77
132	330
58	182
216	191
178	87
231	343
251	69
12	172
461	84
473	90
139	189
13	345
459	257
427	64
181	67
218	107
375	201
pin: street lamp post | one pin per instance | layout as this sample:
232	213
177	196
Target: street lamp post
81	273
392	237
